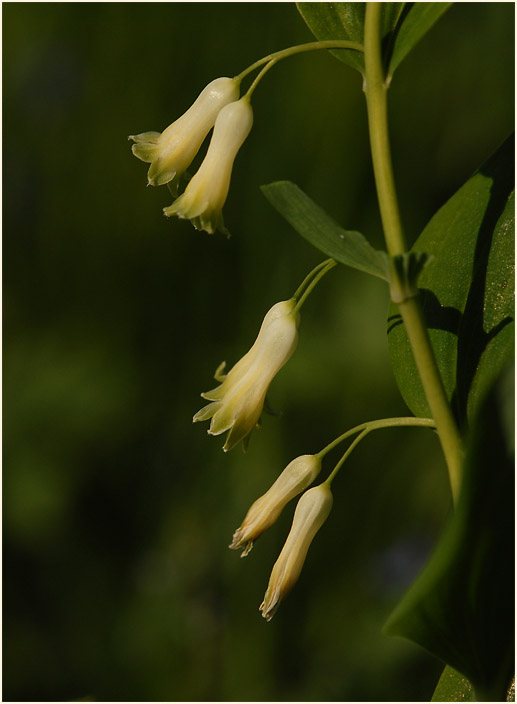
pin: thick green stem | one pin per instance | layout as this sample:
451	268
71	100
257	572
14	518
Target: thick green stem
377	103
376	89
433	387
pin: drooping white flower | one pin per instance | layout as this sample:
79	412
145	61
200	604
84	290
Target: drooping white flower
171	152
236	404
311	512
295	478
203	199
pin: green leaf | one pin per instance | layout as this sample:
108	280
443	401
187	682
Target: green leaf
311	222
345	20
403	25
418	20
337	20
466	291
453	687
461	607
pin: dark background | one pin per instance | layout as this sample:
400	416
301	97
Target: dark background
118	584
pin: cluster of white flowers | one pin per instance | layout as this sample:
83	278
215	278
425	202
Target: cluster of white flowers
171	152
237	403
311	512
235	406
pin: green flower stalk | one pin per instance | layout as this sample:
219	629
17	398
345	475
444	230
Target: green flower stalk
295	478
203	199
237	403
171	152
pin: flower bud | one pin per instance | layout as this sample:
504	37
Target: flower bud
171	152
311	512
295	478
203	199
238	401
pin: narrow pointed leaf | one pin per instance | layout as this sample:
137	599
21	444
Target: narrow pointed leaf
311	222
416	23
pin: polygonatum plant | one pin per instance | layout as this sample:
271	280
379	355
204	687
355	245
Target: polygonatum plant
450	332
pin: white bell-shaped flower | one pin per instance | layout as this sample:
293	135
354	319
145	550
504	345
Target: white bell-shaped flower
171	152
295	478
311	512
204	197
238	401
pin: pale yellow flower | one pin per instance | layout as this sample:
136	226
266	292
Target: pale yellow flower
203	199
238	401
311	512
171	152
295	478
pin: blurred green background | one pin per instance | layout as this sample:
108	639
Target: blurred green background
118	584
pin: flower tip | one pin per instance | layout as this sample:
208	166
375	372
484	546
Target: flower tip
268	612
219	372
247	548
228	445
238	544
